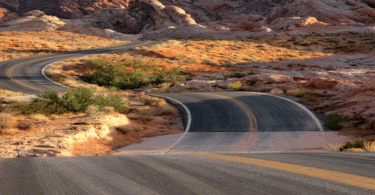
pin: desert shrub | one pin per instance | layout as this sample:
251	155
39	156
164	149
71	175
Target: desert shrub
235	85
129	75
25	126
356	144
237	75
40	106
75	100
114	101
333	121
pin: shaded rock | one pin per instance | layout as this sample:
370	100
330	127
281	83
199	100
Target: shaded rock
36	13
76	28
6	15
320	83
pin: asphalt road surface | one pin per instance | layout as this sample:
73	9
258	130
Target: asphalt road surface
220	117
293	173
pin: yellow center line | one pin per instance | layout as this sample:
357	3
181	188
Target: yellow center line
249	113
355	180
9	72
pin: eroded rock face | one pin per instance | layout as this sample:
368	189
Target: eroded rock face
60	142
6	15
328	11
31	23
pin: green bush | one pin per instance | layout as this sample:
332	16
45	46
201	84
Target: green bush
129	75
75	100
333	121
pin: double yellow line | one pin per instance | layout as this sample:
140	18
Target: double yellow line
249	113
9	72
355	180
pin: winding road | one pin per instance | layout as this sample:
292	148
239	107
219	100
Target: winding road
234	143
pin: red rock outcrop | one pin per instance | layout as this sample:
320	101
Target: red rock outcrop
6	15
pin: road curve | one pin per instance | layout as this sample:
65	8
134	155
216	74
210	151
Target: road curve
283	173
25	74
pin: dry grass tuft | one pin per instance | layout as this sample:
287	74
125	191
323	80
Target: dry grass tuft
4	120
108	109
358	146
25	125
92	109
166	110
39	117
6	93
154	101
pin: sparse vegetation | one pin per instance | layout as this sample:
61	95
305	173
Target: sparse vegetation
130	74
25	126
4	121
358	144
154	101
19	44
166	110
236	85
75	100
332	121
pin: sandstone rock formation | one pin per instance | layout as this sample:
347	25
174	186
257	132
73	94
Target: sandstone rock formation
60	142
328	11
6	15
35	20
92	31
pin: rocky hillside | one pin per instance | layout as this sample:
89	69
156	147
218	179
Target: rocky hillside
66	9
146	16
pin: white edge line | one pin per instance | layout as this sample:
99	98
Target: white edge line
298	104
188	121
51	79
